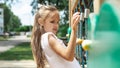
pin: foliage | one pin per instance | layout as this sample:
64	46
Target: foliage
20	52
62	30
24	29
11	21
60	4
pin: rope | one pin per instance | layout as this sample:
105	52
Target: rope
84	7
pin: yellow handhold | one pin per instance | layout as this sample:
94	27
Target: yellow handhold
86	44
79	41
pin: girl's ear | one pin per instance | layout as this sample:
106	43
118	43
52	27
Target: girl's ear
40	21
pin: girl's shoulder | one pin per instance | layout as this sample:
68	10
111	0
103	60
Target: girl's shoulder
49	33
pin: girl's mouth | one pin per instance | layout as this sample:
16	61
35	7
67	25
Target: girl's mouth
55	29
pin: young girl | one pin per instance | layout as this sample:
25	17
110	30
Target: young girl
46	46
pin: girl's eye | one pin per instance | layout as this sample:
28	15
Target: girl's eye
57	22
54	22
51	21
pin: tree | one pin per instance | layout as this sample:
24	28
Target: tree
14	22
60	4
11	21
9	3
24	29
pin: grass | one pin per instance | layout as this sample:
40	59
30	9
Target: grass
2	38
20	52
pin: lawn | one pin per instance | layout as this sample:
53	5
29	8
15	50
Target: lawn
2	38
20	52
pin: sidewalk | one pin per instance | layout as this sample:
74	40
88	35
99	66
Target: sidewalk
17	64
10	43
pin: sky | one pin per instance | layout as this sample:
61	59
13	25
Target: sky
22	9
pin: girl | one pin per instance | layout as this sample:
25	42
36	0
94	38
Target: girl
46	46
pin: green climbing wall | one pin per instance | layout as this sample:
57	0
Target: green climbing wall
105	50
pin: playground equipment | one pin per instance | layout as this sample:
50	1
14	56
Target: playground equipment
105	51
84	7
86	45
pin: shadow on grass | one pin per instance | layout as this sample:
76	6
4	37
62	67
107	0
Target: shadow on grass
20	52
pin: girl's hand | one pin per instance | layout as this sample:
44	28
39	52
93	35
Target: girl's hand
75	20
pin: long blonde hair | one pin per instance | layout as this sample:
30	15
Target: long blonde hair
37	31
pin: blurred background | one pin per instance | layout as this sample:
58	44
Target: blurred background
16	21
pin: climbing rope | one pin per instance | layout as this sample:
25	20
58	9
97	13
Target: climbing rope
85	7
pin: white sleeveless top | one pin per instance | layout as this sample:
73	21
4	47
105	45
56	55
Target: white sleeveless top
54	60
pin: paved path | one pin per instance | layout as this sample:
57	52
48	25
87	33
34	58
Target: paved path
10	43
17	64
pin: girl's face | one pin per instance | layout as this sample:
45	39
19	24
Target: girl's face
51	23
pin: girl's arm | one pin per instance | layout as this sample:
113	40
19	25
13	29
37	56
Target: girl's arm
68	52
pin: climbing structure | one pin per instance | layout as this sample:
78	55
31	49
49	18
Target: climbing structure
105	51
84	7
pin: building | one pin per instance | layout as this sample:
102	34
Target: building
1	21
